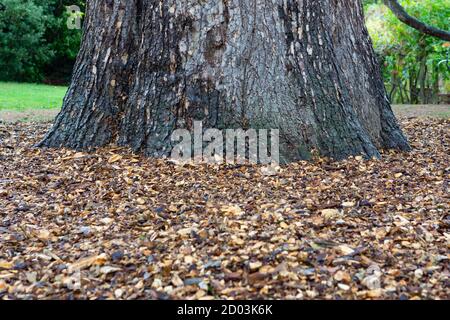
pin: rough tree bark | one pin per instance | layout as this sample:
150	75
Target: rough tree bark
305	67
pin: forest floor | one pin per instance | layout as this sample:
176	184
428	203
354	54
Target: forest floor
111	224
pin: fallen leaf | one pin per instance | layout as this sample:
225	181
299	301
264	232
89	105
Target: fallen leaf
115	158
330	214
109	269
6	265
88	262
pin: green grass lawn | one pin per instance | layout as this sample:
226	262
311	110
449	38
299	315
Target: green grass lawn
23	96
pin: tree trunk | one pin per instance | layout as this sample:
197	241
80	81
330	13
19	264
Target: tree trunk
305	67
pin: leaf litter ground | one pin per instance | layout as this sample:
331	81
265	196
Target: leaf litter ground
111	224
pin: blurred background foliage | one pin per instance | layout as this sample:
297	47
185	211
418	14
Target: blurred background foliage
416	67
37	46
35	43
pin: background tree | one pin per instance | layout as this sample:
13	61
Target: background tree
415	23
35	43
416	66
23	50
63	42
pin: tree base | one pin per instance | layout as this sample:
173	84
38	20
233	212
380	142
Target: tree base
305	68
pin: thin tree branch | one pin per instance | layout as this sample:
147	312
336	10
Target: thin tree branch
403	16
